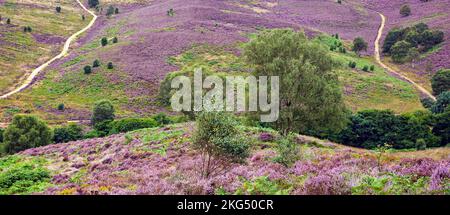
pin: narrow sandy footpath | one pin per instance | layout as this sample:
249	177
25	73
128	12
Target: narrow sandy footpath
63	53
378	59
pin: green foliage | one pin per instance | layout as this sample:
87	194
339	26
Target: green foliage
110	10
116	11
19	176
372	68
365	68
110	65
441	103
427	102
102	112
339	1
352	64
87	70
372	128
8	21
170	12
411	41
391	185
58	9
93	3
27	29
1	136
26	132
96	63
359	45
305	68
399	51
68	133
104	41
61	107
405	10
115	40
442	127
288	150
131	124
441	81
262	186
162	119
220	142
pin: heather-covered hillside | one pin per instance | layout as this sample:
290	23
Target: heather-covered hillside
163	161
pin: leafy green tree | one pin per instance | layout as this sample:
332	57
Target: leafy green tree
359	45
110	65
87	70
219	140
442	102
8	21
104	41
441	81
405	10
442	127
93	3
96	63
26	132
102	112
391	38
116	11
365	68
61	107
310	92
400	51
64	134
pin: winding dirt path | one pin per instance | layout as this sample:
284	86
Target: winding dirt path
63	53
378	59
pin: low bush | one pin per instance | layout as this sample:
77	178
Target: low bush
288	150
219	141
64	134
126	125
87	70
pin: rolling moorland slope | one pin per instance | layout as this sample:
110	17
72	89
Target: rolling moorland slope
144	49
145	43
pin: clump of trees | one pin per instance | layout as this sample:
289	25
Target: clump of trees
304	68
26	132
359	45
372	128
405	44
405	10
441	81
219	141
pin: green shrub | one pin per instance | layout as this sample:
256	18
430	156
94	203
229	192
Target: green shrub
19	176
96	63
339	1
110	65
365	68
104	41
116	11
170	12
103	111
8	21
162	119
442	102
115	40
220	142
110	10
262	186
1	135
26	132
87	70
427	102
359	45
442	127
126	125
64	134
405	10
93	3
441	81
58	9
288	150
372	68
61	107
352	64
